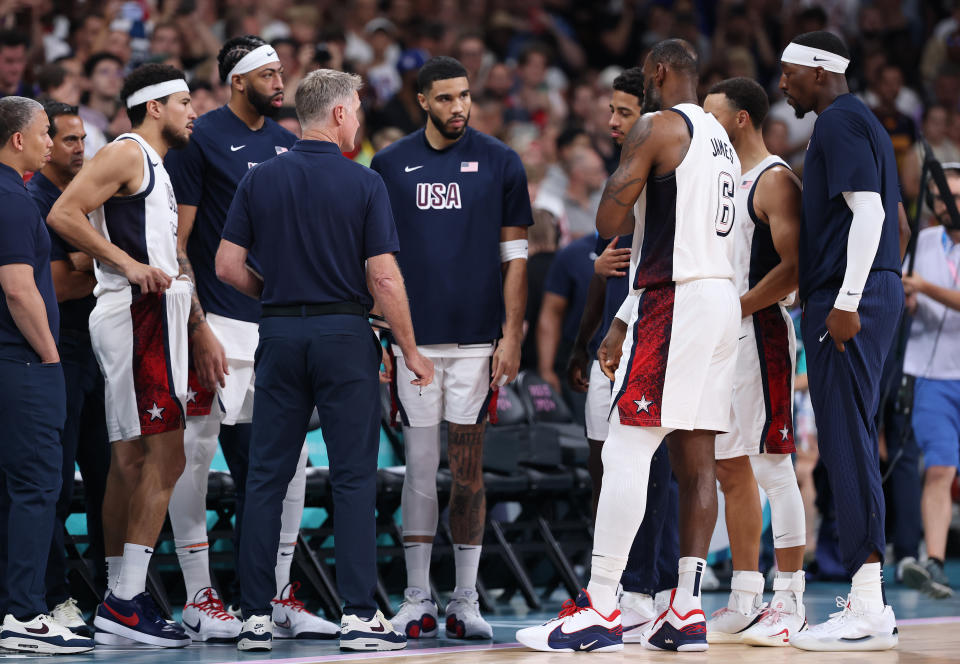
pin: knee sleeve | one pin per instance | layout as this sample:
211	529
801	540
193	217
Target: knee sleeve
293	502
775	475
188	503
419	508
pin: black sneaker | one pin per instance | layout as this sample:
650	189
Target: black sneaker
927	577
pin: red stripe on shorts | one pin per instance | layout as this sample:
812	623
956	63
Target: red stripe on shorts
776	371
158	409
641	397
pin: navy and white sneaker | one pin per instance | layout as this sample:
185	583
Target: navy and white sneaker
672	630
139	619
42	635
578	628
377	633
256	634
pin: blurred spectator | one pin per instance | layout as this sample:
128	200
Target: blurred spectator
946	88
403	110
907	102
57	83
902	129
533	100
387	136
551	191
576	210
117	43
360	13
13	64
382	75
104	72
472	54
287	118
288	51
486	116
166	40
776	136
202	98
942	48
499	82
85	33
541	249
935	124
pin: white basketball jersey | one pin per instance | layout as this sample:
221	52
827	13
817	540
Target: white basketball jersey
686	219
144	225
754	253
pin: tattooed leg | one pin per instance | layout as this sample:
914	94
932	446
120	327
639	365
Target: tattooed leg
468	502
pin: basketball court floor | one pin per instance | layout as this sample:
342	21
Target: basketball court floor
929	634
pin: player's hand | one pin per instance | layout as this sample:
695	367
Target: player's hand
842	326
422	368
913	284
611	348
506	362
209	358
387	374
612	261
149	279
578	369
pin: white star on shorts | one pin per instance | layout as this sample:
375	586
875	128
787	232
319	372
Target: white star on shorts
643	405
191	396
785	432
156	413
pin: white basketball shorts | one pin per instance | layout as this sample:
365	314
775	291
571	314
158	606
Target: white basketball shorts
235	399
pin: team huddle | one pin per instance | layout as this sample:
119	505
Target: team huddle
221	273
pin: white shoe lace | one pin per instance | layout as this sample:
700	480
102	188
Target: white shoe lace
68	609
721	612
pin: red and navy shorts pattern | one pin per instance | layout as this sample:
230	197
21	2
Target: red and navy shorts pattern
159	410
199	399
641	396
776	372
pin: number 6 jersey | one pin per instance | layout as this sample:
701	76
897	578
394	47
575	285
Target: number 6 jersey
686	219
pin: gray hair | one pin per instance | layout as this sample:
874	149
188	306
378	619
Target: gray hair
15	114
320	91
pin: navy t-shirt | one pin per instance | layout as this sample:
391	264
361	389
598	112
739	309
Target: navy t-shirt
313	218
23	239
617	287
449	206
74	314
569	277
849	151
206	173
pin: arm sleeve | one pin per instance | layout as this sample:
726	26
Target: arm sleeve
626	309
238	228
380	230
17	243
516	196
186	168
862	242
848	153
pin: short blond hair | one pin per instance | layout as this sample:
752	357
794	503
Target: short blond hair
320	91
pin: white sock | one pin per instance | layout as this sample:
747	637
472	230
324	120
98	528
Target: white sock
605	573
868	586
288	542
746	591
114	563
417	557
195	564
466	557
788	590
133	573
688	584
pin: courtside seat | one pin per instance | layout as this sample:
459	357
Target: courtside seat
318	487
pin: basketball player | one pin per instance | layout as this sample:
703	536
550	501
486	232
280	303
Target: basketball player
852	299
679	349
139	333
759	445
651	571
226	143
462	209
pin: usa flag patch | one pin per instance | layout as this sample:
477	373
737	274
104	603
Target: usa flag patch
280	149
469	166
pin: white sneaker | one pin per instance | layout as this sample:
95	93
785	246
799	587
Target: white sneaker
578	628
68	614
418	615
636	614
102	638
206	620
673	630
727	625
463	616
852	628
291	620
42	635
256	634
777	625
374	634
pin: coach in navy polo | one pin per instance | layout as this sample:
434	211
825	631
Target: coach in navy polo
32	407
322	230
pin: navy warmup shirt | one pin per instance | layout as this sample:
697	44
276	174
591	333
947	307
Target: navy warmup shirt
312	217
617	287
849	151
74	314
206	173
569	277
23	239
449	206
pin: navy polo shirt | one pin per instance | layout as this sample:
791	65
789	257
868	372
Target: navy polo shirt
205	174
617	287
849	151
74	314
569	277
23	239
312	217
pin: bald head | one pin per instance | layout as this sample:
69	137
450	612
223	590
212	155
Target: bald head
671	74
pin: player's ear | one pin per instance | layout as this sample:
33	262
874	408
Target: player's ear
422	100
660	74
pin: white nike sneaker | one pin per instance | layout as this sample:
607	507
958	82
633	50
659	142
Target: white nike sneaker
42	635
256	634
205	619
68	614
852	628
291	620
636	614
777	625
578	628
463	616
376	633
727	625
418	615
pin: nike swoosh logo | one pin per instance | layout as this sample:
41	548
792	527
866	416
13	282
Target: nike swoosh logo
234	148
824	336
270	54
282	625
816	59
44	630
378	628
464	548
584	646
195	628
743	337
130	621
852	294
411	169
284	553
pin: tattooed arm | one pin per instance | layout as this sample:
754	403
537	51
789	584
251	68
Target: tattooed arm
209	358
615	215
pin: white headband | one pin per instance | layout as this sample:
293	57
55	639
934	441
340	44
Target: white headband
258	57
157	91
808	56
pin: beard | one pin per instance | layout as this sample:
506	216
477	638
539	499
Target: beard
651	98
175	139
261	103
442	128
